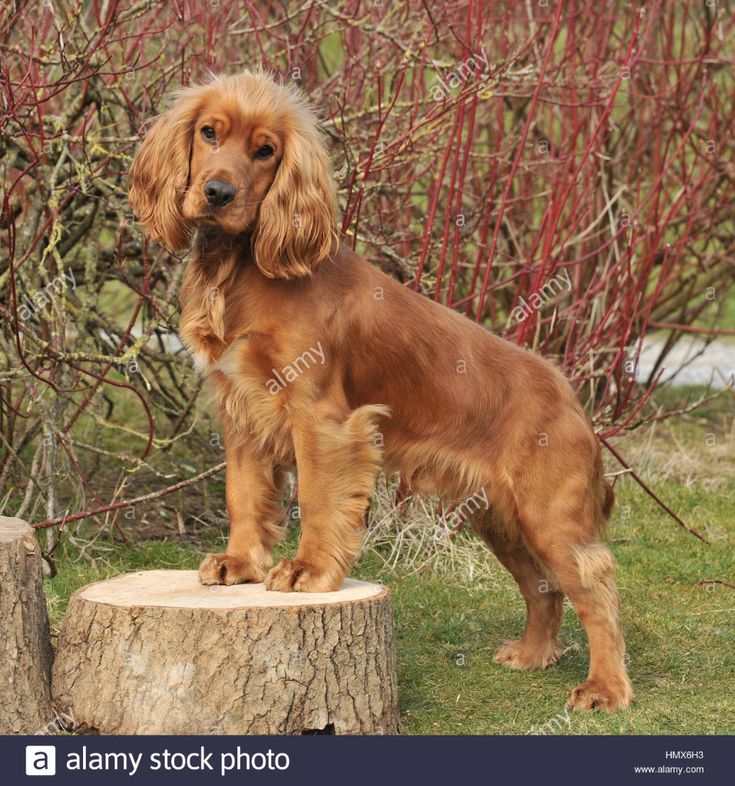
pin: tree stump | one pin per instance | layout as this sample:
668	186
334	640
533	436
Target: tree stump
155	652
25	643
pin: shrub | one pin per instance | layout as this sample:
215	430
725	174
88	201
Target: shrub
556	171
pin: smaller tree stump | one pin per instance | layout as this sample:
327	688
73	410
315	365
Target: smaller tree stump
155	652
25	642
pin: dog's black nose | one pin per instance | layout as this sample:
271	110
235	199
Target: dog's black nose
218	192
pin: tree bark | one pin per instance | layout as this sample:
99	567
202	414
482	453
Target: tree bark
25	642
155	652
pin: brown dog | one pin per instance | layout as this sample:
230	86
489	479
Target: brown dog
317	358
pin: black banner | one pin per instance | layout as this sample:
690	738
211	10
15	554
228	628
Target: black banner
352	761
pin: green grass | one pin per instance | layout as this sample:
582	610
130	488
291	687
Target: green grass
680	633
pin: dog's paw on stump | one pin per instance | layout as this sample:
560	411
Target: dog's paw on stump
155	652
226	569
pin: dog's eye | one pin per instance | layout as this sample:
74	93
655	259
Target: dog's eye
264	152
208	133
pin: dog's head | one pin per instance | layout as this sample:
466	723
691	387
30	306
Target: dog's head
245	154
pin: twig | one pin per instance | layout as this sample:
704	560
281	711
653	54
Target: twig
651	493
128	502
705	331
708	582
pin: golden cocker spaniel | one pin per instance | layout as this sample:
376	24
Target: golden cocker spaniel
317	359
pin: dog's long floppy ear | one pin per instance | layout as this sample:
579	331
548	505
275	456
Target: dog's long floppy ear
159	174
296	229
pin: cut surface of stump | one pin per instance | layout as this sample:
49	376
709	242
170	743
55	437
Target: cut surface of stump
25	643
155	652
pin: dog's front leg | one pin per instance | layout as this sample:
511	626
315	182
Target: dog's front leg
337	457
253	497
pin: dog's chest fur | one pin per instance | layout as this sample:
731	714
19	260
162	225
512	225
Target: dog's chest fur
236	366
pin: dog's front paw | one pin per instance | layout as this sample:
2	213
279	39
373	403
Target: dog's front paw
295	575
226	569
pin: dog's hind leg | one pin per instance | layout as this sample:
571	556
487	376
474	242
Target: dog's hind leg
539	646
592	590
569	548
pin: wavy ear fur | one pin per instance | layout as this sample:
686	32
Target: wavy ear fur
296	228
160	171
